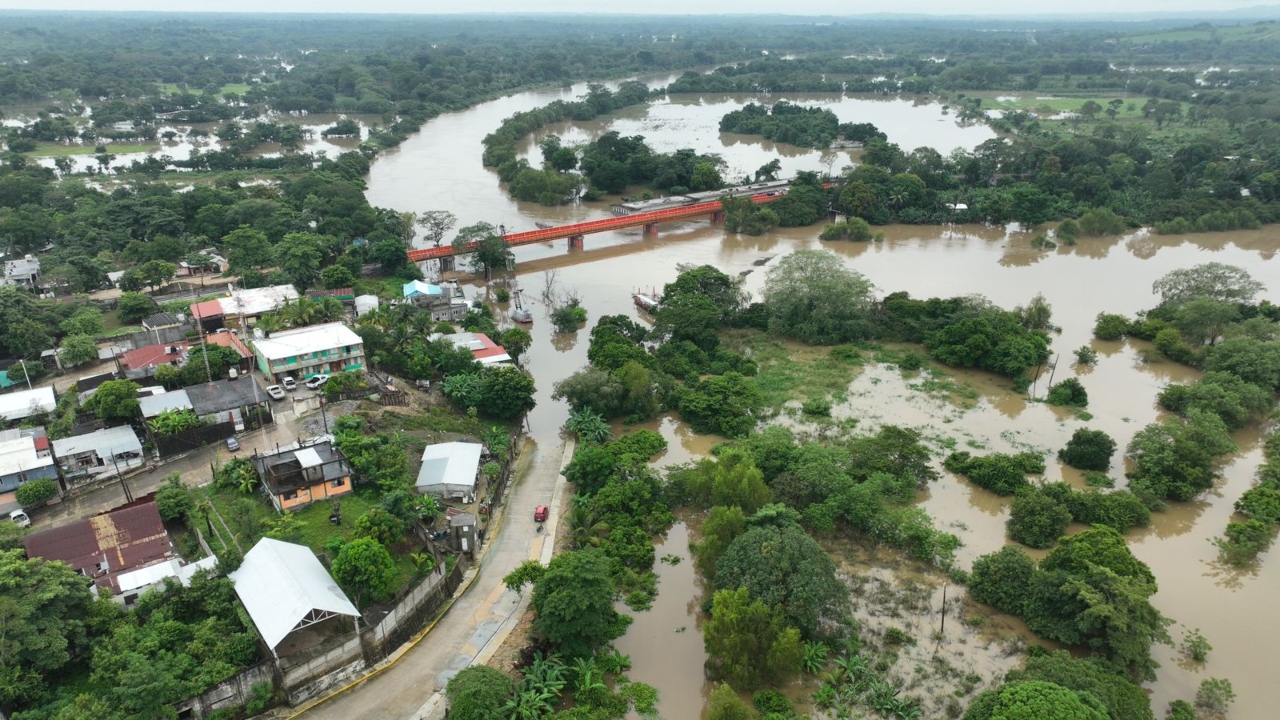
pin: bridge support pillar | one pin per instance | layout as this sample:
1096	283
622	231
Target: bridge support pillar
717	218
446	263
651	229
576	242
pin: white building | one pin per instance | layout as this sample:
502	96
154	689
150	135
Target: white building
449	470
16	406
138	582
110	451
23	273
307	351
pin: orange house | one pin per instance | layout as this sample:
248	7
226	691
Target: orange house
296	477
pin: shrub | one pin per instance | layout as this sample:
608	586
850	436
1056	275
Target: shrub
1260	503
1110	326
1086	355
1037	520
1243	541
1002	579
1215	695
35	492
1088	450
1102	221
1195	646
173	499
1069	392
1001	474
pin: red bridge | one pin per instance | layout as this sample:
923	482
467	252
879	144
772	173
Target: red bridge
575	232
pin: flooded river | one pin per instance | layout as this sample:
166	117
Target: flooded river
440	169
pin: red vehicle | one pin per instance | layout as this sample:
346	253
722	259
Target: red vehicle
540	513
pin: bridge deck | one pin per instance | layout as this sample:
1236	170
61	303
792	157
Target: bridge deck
594	226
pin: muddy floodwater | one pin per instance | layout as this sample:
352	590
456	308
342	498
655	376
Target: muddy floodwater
440	169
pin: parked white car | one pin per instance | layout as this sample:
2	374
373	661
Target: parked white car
275	392
317	382
19	518
289	383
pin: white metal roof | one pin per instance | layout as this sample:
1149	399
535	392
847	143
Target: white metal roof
257	301
107	442
24	404
315	338
173	568
19	455
308	457
449	468
281	584
153	405
365	303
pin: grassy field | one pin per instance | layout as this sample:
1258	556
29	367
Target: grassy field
795	371
1241	33
173	89
60	150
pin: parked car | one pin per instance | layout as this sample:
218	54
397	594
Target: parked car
233	444
540	513
317	382
275	392
19	518
289	383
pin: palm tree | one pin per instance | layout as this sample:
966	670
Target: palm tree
585	530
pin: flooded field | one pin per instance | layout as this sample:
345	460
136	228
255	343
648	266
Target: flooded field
440	169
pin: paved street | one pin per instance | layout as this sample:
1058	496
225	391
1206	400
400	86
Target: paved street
195	470
478	621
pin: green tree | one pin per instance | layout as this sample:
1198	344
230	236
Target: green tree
810	295
574	603
1110	326
748	643
365	569
46	611
1088	450
86	321
516	341
1001	580
490	251
380	525
1123	699
135	306
337	276
724	404
156	272
1175	459
784	567
505	392
1213	281
722	526
173	499
724	704
1037	520
115	400
478	693
77	350
247	249
1035	700
35	492
1069	392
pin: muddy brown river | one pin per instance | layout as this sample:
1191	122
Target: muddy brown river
440	169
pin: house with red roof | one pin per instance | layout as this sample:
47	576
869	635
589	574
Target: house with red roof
106	546
150	357
486	351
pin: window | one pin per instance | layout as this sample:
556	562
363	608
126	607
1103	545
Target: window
338	483
290	495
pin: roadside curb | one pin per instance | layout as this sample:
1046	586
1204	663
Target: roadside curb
433	707
495	528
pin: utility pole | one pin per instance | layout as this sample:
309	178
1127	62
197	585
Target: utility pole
24	372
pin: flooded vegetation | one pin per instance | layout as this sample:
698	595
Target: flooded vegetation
953	409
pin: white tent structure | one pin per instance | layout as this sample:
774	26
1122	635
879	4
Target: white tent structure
449	470
285	588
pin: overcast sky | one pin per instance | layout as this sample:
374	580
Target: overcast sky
796	7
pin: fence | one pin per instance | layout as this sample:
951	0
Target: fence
309	673
229	693
188	440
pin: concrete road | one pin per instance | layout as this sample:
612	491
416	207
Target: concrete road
479	620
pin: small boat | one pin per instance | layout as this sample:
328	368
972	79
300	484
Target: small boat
521	315
543	225
644	302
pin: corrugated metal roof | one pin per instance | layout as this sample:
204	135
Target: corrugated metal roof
281	583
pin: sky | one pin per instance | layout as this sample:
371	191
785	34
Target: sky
649	7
